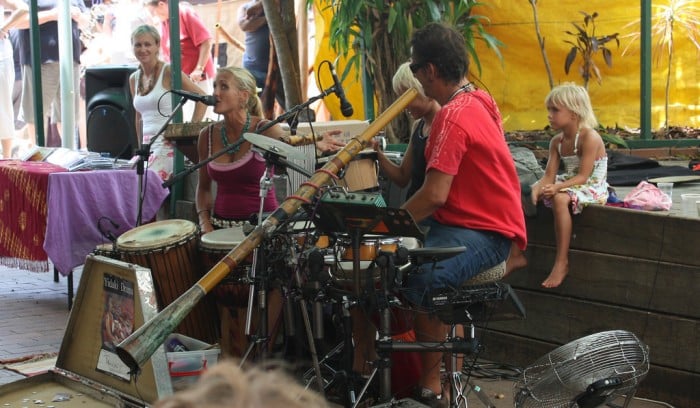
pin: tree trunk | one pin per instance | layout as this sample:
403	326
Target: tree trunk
282	22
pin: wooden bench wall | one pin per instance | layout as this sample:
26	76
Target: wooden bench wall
631	270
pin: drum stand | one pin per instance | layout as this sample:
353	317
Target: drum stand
464	306
261	282
356	214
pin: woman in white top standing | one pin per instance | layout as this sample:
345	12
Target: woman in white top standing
7	74
149	86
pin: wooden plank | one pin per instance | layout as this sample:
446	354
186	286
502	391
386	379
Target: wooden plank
675	290
556	319
626	281
187	131
603	229
681	241
676	387
625	232
600	277
184	137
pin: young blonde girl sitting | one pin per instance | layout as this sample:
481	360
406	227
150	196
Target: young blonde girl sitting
582	150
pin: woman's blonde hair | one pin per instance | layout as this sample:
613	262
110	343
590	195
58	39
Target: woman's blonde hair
227	385
146	29
574	98
246	82
404	79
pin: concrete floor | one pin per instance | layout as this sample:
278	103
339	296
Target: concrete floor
34	313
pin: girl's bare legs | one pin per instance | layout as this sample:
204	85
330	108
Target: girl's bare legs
562	233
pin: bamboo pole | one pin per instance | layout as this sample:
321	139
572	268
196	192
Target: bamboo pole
136	349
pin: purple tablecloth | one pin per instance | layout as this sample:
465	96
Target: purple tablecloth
76	201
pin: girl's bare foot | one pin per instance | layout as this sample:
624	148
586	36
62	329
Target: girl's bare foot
556	277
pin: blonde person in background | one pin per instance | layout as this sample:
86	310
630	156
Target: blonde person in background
226	385
149	86
422	109
584	181
7	73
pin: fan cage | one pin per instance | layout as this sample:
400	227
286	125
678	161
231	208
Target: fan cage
556	379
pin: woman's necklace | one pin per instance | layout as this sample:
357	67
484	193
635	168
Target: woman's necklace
234	147
147	83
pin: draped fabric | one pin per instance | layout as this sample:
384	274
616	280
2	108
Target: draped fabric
81	203
23	209
49	213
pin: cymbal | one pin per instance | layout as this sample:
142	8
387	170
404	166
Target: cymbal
419	256
275	146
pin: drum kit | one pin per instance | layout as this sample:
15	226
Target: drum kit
346	249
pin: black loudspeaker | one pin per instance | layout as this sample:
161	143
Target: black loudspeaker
110	112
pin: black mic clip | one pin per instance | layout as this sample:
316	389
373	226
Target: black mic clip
107	233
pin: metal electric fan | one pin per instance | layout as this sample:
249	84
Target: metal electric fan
585	373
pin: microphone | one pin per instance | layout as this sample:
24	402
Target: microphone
345	106
315	264
288	315
208	100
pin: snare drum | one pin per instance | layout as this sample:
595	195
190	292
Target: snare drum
232	291
342	273
169	249
302	233
369	247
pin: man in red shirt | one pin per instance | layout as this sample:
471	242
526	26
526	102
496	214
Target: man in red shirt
471	193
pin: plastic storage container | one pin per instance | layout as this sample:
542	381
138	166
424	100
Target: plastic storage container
185	367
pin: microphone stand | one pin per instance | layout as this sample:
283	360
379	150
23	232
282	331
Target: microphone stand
143	153
265	185
286	116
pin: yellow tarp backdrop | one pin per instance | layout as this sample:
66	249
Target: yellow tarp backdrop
519	83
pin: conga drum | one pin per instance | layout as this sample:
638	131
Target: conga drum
232	291
362	173
169	249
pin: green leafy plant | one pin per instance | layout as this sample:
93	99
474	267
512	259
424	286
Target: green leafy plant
587	43
677	15
612	140
379	33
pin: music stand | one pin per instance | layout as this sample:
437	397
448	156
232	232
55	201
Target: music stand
356	214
